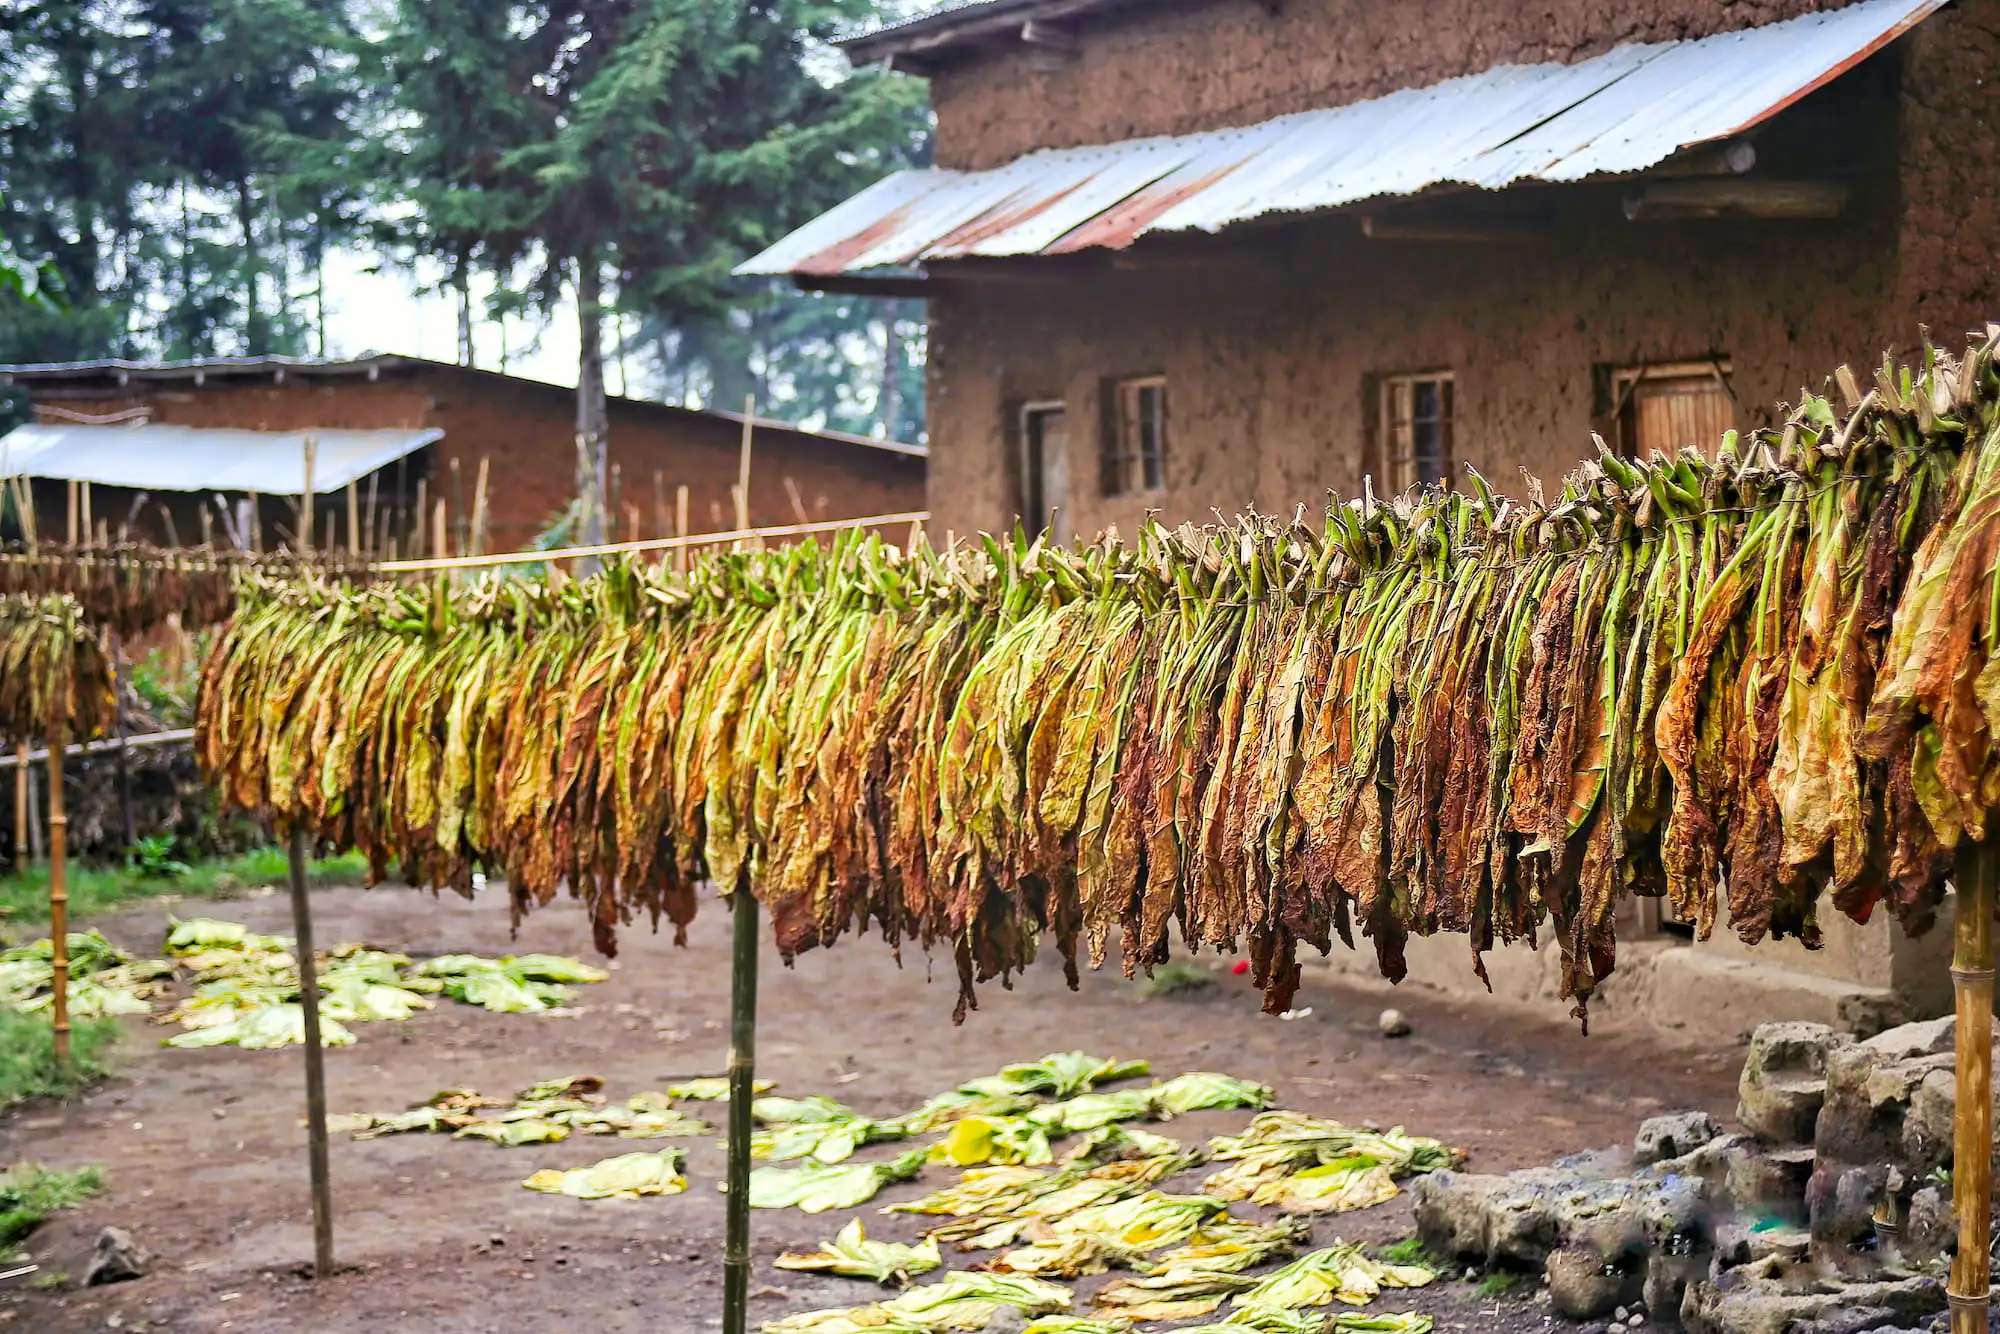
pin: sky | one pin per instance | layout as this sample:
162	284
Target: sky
383	312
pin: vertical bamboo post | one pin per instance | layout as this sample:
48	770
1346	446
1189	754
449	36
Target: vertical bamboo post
479	509
23	840
306	500
742	1090
89	527
59	891
1972	1141
417	544
117	656
73	514
354	518
368	524
256	524
680	524
322	1185
743	463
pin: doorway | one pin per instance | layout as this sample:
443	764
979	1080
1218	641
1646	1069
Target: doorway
1045	471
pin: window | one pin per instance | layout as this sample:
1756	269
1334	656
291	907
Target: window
1416	428
1135	452
1045	470
1672	406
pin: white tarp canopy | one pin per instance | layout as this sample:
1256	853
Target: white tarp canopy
199	458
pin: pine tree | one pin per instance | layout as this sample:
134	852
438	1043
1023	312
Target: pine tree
652	143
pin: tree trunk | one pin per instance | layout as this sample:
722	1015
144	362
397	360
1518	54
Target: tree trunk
592	414
462	280
891	401
256	337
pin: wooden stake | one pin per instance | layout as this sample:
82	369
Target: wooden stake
373	543
660	502
439	532
22	839
256	524
742	1091
417	543
59	892
316	1151
354	518
743	462
1978	877
680	524
479	509
798	501
305	528
88	526
73	515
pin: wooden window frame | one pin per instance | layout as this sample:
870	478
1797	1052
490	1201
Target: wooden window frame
1028	483
1401	470
1126	467
1625	381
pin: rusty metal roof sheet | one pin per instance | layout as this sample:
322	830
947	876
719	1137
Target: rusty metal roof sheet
1625	110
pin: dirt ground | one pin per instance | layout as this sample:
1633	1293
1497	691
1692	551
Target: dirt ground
204	1151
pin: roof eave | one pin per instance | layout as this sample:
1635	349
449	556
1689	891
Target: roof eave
929	38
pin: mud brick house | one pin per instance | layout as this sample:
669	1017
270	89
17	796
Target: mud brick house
398	421
1183	254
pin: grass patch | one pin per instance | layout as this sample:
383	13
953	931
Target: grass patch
29	1194
1412	1251
25	898
28	1065
1497	1284
1177	981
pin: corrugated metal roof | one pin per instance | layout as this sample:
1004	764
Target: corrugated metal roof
193	458
1623	111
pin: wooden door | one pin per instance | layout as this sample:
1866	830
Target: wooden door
1670	408
1045	471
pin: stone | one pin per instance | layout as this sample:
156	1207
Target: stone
1583	1285
1663	1138
1929	1229
115	1259
1771	1181
1515	1221
1855	1320
1841	1202
1784	1080
1668	1275
1758	1300
1392	1024
1870	1089
1927	1125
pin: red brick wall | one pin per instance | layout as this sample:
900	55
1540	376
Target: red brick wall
526	432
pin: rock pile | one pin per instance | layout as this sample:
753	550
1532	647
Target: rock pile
1826	1215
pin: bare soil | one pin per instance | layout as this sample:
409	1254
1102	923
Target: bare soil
204	1151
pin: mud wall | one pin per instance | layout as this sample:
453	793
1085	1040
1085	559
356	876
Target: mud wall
1269	350
1207	64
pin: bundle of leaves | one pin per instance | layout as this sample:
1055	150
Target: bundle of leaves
103	979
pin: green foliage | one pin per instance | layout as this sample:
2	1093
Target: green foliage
153	859
30	1193
25	898
1497	1284
166	686
1412	1251
1177	980
28	1065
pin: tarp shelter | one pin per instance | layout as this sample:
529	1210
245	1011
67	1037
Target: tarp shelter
193	458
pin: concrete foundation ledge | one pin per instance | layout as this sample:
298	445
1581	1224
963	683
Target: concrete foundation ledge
1686	993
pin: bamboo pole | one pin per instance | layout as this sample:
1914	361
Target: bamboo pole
59	892
479	510
305	533
88	526
368	525
71	515
419	547
316	1150
354	518
117	656
743	462
256	524
742	1090
1978	877
722	538
680	524
21	836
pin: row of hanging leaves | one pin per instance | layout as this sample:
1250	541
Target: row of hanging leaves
131	587
55	678
1736	684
